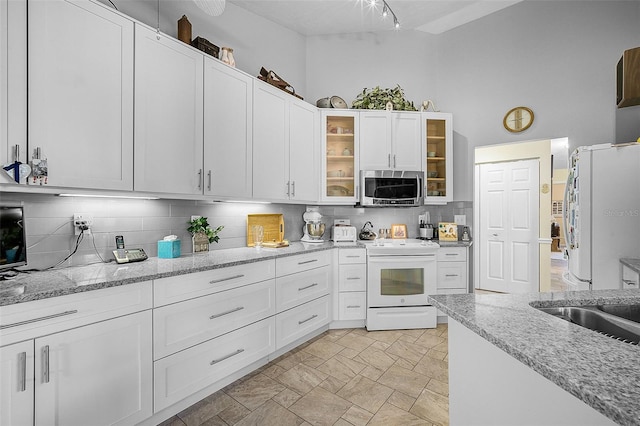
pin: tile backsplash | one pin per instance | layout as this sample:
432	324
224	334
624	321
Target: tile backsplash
50	232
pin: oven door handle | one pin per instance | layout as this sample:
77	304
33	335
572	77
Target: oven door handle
401	258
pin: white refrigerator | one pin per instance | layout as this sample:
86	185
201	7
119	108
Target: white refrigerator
601	214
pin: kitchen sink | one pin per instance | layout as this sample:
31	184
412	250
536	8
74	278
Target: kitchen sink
622	322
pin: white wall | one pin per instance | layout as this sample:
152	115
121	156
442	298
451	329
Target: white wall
557	58
256	42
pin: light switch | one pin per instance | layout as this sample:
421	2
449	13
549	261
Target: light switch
460	219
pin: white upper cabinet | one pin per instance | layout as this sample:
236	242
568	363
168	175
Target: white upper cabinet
168	115
390	140
228	103
339	174
270	143
406	137
303	152
375	140
13	81
438	157
284	146
80	94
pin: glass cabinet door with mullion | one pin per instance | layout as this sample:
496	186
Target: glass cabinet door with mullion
438	157
340	165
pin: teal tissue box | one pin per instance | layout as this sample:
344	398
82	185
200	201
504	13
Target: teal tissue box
168	249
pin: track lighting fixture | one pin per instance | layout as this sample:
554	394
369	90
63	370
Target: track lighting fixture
386	10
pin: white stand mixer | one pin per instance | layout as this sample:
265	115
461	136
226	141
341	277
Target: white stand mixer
313	228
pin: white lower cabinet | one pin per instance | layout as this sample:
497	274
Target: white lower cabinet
186	372
181	325
352	305
99	374
453	272
302	287
16	386
301	320
351	288
72	361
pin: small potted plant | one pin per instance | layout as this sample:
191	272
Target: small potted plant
203	234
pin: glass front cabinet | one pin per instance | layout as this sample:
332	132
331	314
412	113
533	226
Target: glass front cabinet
340	147
438	157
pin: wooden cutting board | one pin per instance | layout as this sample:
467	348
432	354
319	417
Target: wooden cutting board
273	225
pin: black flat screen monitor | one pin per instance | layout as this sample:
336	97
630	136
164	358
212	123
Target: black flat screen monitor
13	247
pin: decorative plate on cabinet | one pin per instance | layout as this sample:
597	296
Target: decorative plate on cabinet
338	102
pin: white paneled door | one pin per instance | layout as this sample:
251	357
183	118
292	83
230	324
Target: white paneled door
509	222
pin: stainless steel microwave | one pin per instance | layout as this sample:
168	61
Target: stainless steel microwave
391	188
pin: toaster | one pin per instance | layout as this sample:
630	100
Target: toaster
342	234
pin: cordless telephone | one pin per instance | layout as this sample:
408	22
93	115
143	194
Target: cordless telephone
123	255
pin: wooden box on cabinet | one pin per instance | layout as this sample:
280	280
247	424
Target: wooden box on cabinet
628	78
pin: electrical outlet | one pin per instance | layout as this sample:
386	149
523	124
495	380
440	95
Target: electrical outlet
82	221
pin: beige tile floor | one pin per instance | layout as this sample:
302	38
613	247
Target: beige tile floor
342	377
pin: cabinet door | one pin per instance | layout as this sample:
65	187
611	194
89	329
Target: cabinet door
406	141
16	387
81	93
375	141
168	114
13	81
303	152
99	374
228	102
270	143
340	149
438	163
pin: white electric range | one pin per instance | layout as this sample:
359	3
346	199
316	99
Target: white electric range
400	275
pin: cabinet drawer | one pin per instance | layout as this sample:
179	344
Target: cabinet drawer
352	305
293	290
301	320
183	373
181	325
352	255
353	277
452	275
452	254
28	320
188	286
302	262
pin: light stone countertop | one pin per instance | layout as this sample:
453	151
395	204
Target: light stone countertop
599	370
63	281
632	263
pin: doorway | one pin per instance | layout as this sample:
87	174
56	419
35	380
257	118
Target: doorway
540	152
559	174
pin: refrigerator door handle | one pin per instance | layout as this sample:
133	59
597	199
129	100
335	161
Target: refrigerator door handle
565	211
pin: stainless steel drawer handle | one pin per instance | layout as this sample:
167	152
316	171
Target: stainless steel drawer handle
353	278
307	286
629	282
353	306
451	275
307	261
226	279
22	360
215	361
16	324
308	319
451	254
45	364
230	311
353	256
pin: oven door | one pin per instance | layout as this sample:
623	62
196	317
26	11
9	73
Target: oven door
403	280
